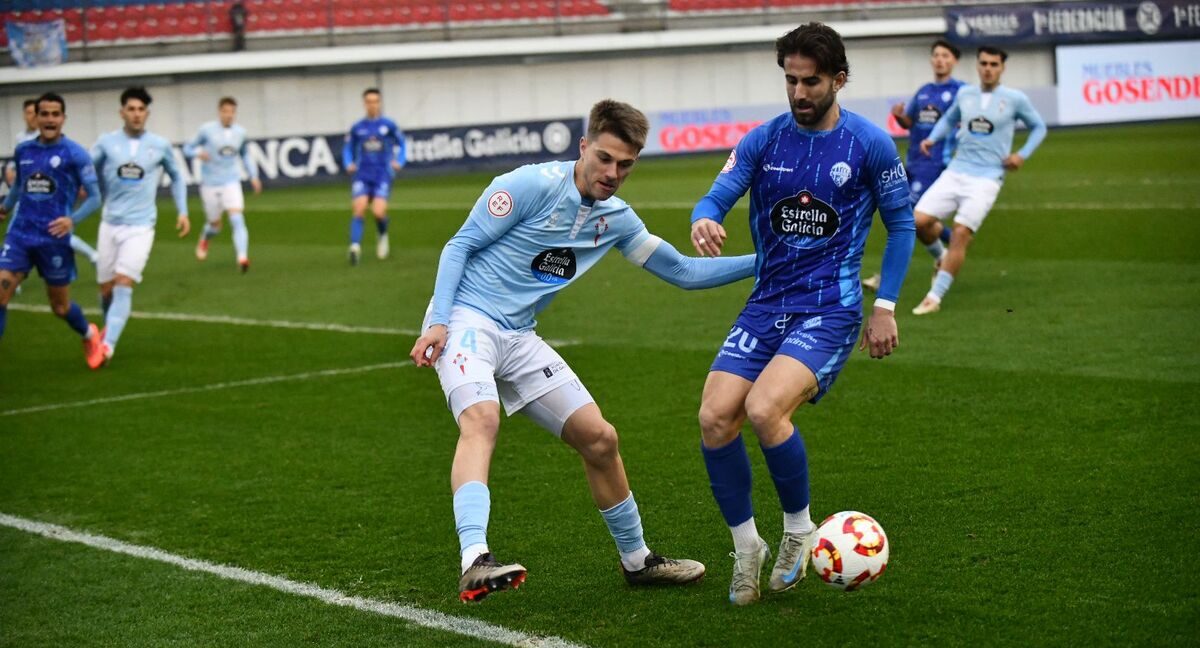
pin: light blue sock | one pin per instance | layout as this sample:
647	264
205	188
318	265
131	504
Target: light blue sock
81	246
941	284
210	231
241	235
936	249
472	505
625	525
381	225
118	314
356	229
76	320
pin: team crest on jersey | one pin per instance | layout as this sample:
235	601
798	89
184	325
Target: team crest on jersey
556	266
840	173
55	161
730	162
981	126
383	130
39	184
947	96
131	171
803	220
601	228
500	204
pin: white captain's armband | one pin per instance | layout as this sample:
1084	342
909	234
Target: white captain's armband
886	304
640	254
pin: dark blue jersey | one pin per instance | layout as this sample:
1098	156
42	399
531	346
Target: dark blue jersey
813	196
925	109
373	144
48	180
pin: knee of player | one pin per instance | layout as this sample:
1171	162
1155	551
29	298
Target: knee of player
480	420
717	426
764	413
598	440
963	235
60	309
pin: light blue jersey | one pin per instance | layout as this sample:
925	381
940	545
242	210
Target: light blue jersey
531	234
225	146
987	122
130	170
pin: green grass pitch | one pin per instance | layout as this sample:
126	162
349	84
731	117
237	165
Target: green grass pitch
1032	450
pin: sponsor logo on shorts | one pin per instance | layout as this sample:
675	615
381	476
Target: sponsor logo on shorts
981	126
811	322
556	266
500	204
802	218
557	367
796	340
131	171
840	173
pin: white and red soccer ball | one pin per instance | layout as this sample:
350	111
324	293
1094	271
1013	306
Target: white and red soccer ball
851	550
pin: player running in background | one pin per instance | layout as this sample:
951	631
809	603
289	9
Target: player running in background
130	163
31	132
220	145
985	116
51	169
815	175
927	106
373	153
532	233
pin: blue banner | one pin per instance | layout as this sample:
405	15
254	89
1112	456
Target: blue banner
1074	22
37	44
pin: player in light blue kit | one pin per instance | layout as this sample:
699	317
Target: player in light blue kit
221	147
373	153
31	132
50	170
532	233
815	176
130	162
986	117
919	115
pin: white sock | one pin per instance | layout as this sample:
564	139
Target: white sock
745	537
471	553
936	248
798	522
636	559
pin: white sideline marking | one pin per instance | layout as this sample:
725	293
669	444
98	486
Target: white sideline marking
204	388
245	321
426	618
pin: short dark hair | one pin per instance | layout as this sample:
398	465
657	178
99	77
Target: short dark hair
947	45
28	103
136	92
818	42
227	101
994	51
53	98
620	120
372	91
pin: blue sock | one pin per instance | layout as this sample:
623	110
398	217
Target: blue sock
945	235
788	463
76	320
625	525
356	229
381	225
729	475
3	318
118	314
472	505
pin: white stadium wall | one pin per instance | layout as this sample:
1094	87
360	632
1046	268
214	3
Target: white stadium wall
422	95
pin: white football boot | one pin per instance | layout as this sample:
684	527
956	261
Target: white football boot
792	564
747	571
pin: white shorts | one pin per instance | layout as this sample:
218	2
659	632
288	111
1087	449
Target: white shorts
223	198
518	365
123	249
971	196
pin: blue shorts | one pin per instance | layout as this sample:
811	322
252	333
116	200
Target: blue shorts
55	261
920	178
822	342
371	187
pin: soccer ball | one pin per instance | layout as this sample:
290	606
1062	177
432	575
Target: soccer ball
850	551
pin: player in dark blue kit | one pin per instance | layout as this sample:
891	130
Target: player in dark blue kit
373	153
816	176
919	115
50	171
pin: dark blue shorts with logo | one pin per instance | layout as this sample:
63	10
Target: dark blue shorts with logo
372	185
55	260
821	341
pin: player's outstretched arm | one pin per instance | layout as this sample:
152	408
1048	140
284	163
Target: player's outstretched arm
91	188
1037	132
662	260
942	128
880	335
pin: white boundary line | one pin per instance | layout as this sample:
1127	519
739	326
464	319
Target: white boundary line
204	388
245	321
426	618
